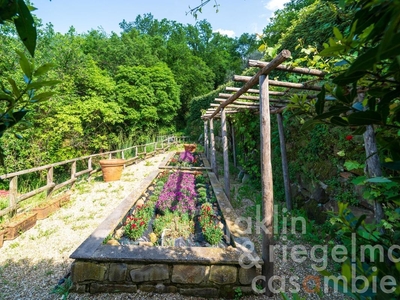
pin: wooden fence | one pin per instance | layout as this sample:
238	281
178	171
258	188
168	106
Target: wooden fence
144	151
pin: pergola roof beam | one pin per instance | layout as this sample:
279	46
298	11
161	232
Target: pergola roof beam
306	71
235	89
224	95
302	86
281	57
236	106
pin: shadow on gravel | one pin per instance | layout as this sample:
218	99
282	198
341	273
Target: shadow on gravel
23	279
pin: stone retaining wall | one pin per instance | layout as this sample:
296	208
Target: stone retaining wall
186	279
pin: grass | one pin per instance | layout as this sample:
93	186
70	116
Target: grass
79	227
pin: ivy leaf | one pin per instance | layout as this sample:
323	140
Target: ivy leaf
25	26
365	118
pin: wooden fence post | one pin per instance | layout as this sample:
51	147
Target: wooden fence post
285	168
13	195
225	153
50	180
73	170
267	184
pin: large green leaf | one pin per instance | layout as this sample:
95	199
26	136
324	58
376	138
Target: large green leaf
365	118
378	180
367	60
25	64
309	124
38	84
14	86
8	10
339	121
42	97
344	78
335	111
364	62
25	26
43	69
11	120
332	50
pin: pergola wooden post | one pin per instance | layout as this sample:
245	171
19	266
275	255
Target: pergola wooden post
212	148
233	144
285	169
266	183
225	153
373	166
206	139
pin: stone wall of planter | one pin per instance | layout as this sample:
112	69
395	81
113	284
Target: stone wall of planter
210	272
187	279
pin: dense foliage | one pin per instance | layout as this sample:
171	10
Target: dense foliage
113	89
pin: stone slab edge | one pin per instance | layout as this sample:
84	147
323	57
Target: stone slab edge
239	237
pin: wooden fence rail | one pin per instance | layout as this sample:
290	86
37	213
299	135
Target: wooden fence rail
140	152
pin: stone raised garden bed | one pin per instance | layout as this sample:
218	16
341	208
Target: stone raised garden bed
197	271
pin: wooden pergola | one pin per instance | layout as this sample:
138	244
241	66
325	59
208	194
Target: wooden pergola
265	102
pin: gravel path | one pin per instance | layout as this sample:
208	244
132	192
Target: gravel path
32	264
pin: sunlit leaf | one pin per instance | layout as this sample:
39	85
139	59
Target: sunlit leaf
43	69
14	86
25	26
379	180
38	84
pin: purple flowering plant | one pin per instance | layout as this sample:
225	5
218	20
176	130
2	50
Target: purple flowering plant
186	156
179	194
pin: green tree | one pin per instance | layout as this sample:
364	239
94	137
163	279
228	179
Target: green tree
148	97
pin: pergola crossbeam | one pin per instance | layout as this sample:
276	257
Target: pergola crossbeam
302	86
305	71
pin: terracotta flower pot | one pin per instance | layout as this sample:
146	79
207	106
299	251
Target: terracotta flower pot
112	169
190	147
